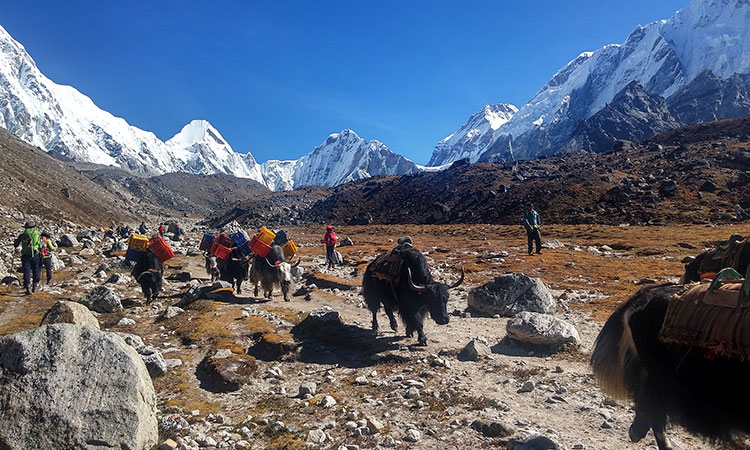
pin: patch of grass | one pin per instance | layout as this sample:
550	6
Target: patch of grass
288	314
286	443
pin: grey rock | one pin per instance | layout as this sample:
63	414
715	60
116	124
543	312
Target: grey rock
316	437
57	264
307	388
510	294
346	242
102	299
493	428
474	351
154	361
70	312
71	386
68	240
534	443
132	340
541	329
413	435
172	312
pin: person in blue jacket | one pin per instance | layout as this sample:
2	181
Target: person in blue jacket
532	221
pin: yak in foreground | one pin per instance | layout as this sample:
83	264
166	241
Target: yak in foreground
412	292
149	274
268	275
668	383
736	254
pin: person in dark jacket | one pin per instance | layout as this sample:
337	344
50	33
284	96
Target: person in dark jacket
532	221
31	245
330	241
46	253
142	228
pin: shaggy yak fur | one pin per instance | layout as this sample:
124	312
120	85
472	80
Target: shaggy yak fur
412	297
212	267
235	269
668	383
272	270
705	262
149	272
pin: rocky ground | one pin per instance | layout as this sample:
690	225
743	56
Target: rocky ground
238	371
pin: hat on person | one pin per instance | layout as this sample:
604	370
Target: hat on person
30	224
404	240
45	234
329	227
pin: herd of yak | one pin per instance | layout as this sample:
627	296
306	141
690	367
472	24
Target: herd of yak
668	383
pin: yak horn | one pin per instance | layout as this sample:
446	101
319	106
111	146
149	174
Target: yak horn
460	280
269	263
299	260
411	283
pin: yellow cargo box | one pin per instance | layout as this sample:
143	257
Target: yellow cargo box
138	242
289	249
266	236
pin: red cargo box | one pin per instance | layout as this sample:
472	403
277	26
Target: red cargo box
220	251
223	239
259	248
161	249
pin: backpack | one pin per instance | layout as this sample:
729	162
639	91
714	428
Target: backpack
388	266
45	250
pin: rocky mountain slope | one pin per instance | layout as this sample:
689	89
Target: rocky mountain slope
33	183
696	174
663	57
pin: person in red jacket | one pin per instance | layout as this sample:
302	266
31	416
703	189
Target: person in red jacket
330	241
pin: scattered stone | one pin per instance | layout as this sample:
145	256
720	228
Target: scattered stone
68	240
126	322
169	444
102	299
346	242
328	401
374	425
48	371
541	329
645	281
493	428
316	436
307	388
70	312
413	435
154	360
118	278
474	351
534	443
528	386
172	311
510	294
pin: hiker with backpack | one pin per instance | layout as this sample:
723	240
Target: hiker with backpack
31	245
46	253
532	221
161	229
142	228
330	241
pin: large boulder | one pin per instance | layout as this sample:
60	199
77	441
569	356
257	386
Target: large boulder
510	294
71	386
70	312
102	299
227	371
68	240
541	329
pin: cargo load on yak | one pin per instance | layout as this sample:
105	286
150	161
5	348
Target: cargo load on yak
734	253
388	266
714	316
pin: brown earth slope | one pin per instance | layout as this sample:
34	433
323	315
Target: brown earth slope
32	182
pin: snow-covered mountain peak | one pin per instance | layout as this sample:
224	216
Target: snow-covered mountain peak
499	113
196	131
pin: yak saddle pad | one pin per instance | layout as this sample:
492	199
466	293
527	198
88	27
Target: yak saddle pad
726	254
388	266
717	320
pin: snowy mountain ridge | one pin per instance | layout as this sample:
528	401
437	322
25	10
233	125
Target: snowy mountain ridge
67	124
662	56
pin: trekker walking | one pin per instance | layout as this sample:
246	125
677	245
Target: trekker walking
31	245
47	248
330	241
142	228
161	230
532	221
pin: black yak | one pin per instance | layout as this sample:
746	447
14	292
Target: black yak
736	255
412	293
149	272
668	383
235	269
272	270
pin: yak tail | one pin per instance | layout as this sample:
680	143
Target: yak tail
615	354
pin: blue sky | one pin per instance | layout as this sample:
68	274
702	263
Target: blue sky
277	77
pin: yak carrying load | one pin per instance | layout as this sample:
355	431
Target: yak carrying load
139	245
